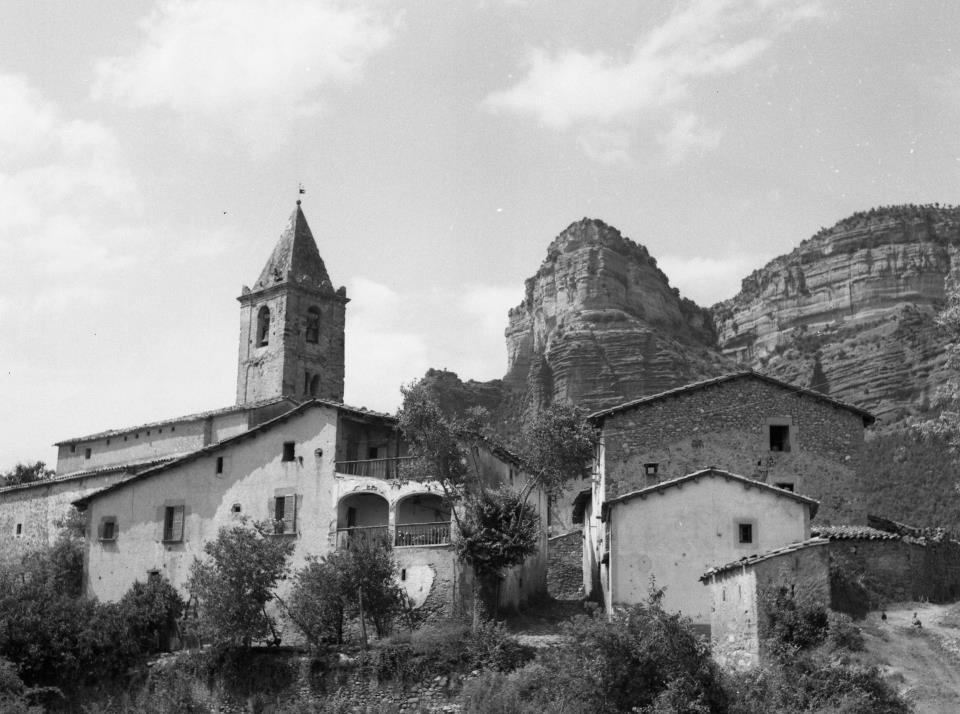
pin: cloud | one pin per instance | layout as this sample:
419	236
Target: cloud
686	135
249	65
487	306
574	88
61	175
707	281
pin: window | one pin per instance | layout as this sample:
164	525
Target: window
289	450
173	524
108	529
285	513
153	576
314	385
235	508
73	448
219	464
403	573
19	531
745	533
372	452
651	470
87	453
313	325
779	437
785	485
263	327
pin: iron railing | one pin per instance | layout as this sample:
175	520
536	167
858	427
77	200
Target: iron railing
407	534
377	468
346	536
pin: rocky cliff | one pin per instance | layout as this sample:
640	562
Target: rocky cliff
851	311
600	324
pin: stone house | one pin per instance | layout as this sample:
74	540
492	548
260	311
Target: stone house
747	423
670	533
743	591
292	472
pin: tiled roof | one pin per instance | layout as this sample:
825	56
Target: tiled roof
753	559
295	259
115	468
853	533
867	417
712	473
177	420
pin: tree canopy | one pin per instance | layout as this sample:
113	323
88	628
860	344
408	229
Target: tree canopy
26	473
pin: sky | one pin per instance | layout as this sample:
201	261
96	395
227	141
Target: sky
151	154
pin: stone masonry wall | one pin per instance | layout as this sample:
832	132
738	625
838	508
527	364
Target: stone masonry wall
565	572
897	570
726	425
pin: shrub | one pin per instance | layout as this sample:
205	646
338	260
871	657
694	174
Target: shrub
236	582
792	623
150	611
843	634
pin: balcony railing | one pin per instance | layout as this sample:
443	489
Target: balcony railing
377	468
408	534
346	536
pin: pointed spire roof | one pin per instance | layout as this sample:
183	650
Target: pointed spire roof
295	258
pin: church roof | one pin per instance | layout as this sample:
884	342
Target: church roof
295	258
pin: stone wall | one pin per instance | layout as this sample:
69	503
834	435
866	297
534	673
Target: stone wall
565	571
895	570
726	425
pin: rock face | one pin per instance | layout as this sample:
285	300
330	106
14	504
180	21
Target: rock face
851	311
600	324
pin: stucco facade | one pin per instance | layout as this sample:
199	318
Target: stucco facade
672	533
745	423
161	519
741	594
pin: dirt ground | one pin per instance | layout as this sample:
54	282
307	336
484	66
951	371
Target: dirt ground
923	662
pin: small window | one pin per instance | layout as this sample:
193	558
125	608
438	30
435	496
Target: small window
219	464
785	485
87	453
285	514
153	576
651	469
73	448
19	530
108	442
289	450
779	437
313	325
263	327
745	533
235	508
314	390
108	529
372	452
403	573
173	524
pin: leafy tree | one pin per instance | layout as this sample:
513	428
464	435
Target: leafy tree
557	446
26	473
150	611
237	580
345	583
498	530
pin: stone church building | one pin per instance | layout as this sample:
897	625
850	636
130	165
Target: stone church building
287	452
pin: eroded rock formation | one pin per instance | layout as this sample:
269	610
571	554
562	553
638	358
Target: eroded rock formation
851	311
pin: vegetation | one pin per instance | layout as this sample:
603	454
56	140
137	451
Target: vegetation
234	584
498	528
359	581
26	473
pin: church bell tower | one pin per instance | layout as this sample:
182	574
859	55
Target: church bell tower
292	324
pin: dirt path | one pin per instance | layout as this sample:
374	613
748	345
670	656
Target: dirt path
923	662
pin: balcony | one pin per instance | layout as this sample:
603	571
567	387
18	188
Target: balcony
388	468
414	534
365	534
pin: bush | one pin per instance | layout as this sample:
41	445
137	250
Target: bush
844	635
330	588
792	624
236	582
150	611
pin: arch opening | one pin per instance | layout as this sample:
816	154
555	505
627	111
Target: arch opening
422	519
362	516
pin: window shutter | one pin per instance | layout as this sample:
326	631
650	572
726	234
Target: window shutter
290	514
177	530
100	531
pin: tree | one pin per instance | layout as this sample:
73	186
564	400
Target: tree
237	580
26	473
150	611
497	529
359	581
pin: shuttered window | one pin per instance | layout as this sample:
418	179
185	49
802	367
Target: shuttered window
107	529
285	514
173	524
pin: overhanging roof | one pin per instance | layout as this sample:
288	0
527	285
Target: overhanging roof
599	416
710	473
